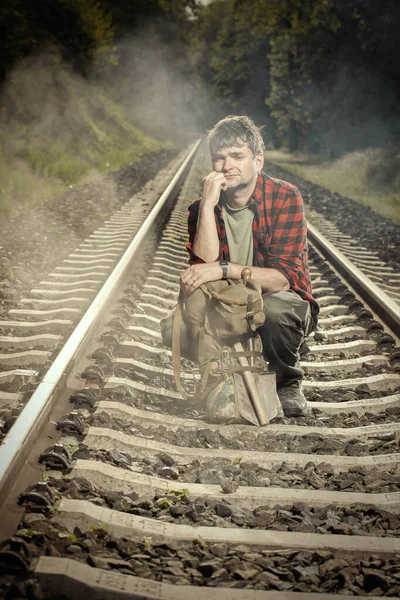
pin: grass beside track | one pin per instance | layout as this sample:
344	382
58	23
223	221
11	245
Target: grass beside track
371	177
58	130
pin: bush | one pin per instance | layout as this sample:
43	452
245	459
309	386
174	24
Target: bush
21	187
59	129
384	171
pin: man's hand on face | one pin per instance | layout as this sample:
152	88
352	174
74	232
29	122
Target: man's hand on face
212	186
196	275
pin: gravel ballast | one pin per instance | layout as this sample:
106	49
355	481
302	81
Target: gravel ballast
264	441
231	474
213	565
35	242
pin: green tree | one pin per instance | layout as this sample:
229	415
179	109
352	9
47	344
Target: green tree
296	30
230	55
327	69
82	29
329	66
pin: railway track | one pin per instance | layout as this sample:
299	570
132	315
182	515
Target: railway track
113	487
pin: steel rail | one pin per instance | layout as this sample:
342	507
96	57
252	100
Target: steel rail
386	308
13	450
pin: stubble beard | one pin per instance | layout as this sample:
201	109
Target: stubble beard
241	185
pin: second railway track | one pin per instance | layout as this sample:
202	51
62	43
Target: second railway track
126	491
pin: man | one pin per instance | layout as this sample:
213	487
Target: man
244	217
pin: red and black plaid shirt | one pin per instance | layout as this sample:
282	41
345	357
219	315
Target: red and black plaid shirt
279	233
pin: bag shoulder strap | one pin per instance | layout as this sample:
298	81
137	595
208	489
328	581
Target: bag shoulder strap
176	354
176	349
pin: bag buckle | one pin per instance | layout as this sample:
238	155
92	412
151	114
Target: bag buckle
225	359
250	315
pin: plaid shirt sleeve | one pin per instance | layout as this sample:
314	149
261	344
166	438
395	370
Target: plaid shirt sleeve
193	213
289	239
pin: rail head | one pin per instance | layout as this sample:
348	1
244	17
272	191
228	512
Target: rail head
33	416
385	307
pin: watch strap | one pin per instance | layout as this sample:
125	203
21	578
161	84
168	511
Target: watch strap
224	266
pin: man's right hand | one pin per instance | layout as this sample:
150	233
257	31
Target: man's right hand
212	186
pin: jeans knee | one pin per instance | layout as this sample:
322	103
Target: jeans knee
279	313
274	319
276	315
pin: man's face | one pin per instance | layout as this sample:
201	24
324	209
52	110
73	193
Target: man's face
238	165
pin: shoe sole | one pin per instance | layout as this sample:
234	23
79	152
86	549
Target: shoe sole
294	412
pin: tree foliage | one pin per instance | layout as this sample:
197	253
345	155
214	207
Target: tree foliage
231	55
321	74
80	28
84	30
327	69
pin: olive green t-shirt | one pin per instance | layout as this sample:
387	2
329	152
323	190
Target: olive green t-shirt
239	232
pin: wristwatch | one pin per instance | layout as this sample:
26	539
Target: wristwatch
224	266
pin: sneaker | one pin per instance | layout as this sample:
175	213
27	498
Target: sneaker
294	403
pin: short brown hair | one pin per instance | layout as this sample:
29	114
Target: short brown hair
236	131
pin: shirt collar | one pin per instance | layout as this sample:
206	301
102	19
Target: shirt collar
258	192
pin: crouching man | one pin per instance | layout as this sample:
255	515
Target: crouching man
246	218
